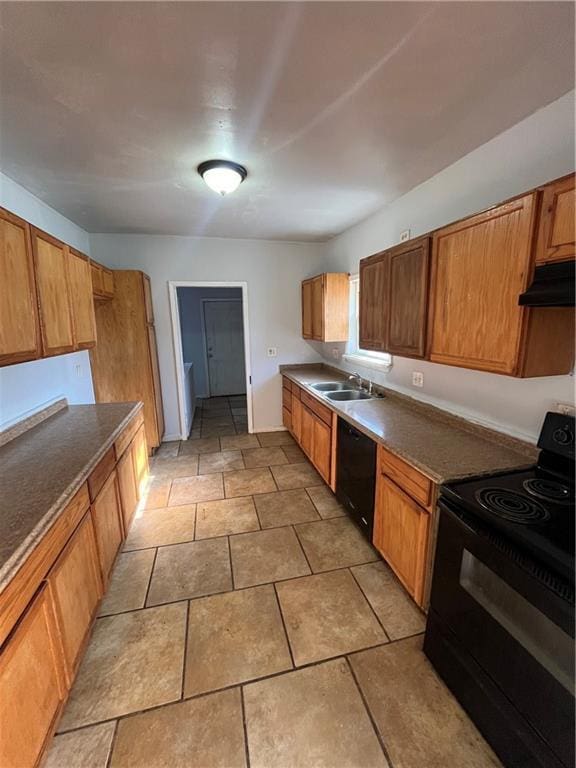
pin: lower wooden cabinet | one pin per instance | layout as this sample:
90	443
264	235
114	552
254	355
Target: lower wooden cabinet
76	588
401	534
307	432
107	517
296	417
322	448
140	458
127	485
32	687
287	418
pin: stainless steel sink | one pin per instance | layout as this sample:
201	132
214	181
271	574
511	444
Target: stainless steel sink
348	394
330	386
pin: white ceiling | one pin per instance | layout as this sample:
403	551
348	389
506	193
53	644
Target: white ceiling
334	108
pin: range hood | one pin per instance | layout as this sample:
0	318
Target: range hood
552	286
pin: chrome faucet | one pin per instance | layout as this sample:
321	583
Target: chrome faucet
357	377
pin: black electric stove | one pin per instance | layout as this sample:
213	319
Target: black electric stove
501	619
533	508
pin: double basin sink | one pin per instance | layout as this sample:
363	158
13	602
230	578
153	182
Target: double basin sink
339	391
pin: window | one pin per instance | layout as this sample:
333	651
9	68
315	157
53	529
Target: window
354	354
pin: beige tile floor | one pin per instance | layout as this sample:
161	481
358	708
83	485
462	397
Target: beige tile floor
249	623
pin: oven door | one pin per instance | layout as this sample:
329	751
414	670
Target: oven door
506	616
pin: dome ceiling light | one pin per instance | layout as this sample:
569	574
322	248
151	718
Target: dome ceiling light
223	176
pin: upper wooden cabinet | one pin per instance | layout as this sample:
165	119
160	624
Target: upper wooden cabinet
19	329
125	360
53	286
373	326
80	282
394	299
556	233
480	266
325	300
102	281
408	298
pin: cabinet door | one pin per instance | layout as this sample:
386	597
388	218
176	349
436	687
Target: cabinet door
140	458
307	432
307	309
401	535
318	308
127	486
76	589
155	369
51	262
32	685
407	300
287	419
296	417
106	514
97	279
556	230
322	448
80	281
479	268
107	282
19	330
372	318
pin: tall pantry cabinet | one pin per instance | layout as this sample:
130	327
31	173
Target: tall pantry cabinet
125	360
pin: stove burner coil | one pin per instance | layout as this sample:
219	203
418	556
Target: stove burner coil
549	490
512	506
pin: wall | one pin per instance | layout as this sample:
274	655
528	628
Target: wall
190	305
273	272
27	387
538	149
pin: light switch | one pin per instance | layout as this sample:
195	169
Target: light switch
272	352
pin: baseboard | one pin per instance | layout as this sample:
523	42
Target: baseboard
270	429
171	438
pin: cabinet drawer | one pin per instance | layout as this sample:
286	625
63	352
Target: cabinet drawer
405	476
320	410
126	437
287	384
287	419
99	475
22	587
286	399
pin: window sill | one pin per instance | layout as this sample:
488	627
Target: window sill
368	362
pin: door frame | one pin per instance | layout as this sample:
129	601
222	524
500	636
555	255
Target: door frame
173	285
203	302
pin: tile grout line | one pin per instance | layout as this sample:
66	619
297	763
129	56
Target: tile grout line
112	745
150	580
186	631
302	548
245	727
284	627
369	713
231	565
386	635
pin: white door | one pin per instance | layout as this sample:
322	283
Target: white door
224	326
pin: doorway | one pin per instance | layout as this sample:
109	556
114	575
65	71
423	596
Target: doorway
211	349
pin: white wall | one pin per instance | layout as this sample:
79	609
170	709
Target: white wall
190	306
538	149
273	271
27	387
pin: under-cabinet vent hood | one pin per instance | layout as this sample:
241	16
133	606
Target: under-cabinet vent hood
552	286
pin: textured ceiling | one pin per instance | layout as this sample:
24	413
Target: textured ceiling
335	108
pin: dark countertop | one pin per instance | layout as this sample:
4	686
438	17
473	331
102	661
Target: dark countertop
41	470
444	447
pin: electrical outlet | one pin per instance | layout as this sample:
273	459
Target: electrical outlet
417	379
335	353
404	235
565	408
78	370
272	352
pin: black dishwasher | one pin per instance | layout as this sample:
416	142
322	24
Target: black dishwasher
356	475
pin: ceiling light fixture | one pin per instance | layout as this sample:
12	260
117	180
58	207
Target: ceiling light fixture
223	176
